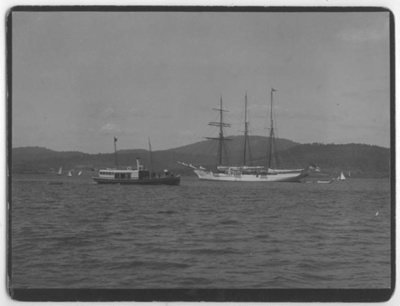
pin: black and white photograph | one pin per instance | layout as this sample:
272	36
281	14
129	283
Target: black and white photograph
221	154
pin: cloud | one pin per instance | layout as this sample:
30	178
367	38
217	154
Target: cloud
109	128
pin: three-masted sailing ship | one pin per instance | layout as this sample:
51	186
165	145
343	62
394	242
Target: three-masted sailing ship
245	173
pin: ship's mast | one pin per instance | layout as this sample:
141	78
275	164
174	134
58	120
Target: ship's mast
221	137
115	151
151	157
271	133
246	125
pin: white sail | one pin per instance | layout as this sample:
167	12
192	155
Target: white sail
69	173
341	177
59	171
80	172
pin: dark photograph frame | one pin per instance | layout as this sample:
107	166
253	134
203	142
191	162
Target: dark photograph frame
16	161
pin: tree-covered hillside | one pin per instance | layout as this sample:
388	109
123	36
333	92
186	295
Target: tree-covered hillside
359	159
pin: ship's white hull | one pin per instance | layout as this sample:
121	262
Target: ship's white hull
240	177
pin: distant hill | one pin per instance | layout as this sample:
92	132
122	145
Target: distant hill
38	153
235	143
31	153
37	159
205	152
360	159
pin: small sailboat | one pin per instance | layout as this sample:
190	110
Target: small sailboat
341	177
324	182
69	173
59	171
80	172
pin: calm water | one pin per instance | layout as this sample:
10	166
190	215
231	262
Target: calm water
200	234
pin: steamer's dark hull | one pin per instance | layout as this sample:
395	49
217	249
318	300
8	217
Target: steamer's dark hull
147	181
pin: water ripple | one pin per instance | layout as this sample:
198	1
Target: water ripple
200	235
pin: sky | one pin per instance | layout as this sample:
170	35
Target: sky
79	79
